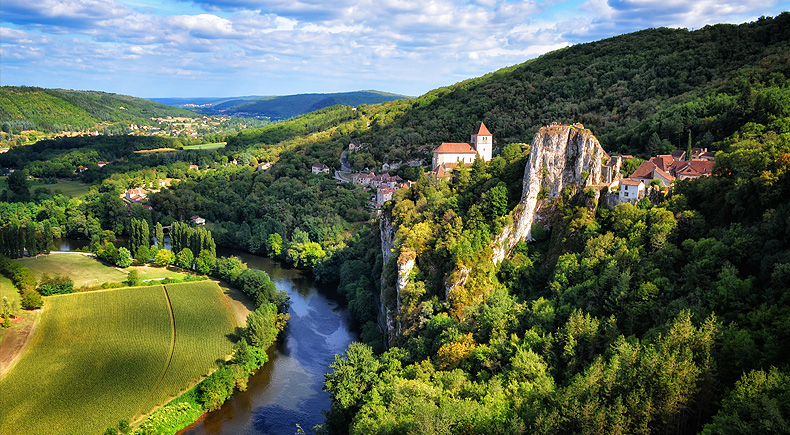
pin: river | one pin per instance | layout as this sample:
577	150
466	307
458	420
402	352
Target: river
287	391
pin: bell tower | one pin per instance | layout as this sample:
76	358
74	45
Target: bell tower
483	142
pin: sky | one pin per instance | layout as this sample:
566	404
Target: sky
217	48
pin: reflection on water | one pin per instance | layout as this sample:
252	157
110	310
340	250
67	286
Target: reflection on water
287	391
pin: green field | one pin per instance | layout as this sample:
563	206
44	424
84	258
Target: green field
194	354
103	356
206	146
81	268
71	189
87	270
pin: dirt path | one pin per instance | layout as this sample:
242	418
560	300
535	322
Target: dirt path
15	341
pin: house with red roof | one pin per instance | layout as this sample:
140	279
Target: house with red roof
631	190
481	143
693	169
649	171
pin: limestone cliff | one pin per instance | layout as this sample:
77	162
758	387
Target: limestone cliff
405	264
560	155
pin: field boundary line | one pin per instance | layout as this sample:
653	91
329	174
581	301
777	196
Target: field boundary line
172	351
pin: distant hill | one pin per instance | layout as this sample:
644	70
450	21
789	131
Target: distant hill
33	108
278	107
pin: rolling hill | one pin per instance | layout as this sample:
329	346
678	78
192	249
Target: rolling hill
279	107
33	108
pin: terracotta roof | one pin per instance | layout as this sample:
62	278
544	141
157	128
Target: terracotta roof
455	148
481	130
663	161
645	170
630	182
649	171
695	167
666	175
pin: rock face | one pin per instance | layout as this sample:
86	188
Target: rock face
387	318
560	155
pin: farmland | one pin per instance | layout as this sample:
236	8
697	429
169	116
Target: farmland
99	357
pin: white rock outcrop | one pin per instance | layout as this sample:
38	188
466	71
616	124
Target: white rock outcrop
560	155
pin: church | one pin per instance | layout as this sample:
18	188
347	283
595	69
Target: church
450	154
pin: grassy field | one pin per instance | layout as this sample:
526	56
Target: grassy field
103	356
8	290
86	269
81	268
206	146
71	189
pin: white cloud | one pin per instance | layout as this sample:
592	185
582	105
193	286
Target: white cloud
408	46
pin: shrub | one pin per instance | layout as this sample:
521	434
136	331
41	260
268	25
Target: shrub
31	300
56	285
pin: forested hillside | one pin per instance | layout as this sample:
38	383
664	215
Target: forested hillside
665	81
670	316
53	110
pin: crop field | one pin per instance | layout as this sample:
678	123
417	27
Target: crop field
99	357
200	335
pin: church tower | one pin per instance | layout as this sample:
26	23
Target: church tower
483	142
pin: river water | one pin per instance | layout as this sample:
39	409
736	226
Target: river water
287	391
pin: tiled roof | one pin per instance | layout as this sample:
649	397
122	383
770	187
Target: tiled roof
645	170
455	148
630	182
481	130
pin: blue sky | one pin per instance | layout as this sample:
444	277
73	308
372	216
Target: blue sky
191	48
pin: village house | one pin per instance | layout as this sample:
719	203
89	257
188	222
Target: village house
194	167
482	143
383	194
101	164
82	169
320	168
133	196
362	179
649	171
197	220
263	166
693	169
631	190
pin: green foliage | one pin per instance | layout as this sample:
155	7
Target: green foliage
133	278
760	402
185	258
164	257
55	285
123	258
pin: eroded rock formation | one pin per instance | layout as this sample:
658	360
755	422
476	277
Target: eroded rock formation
560	155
